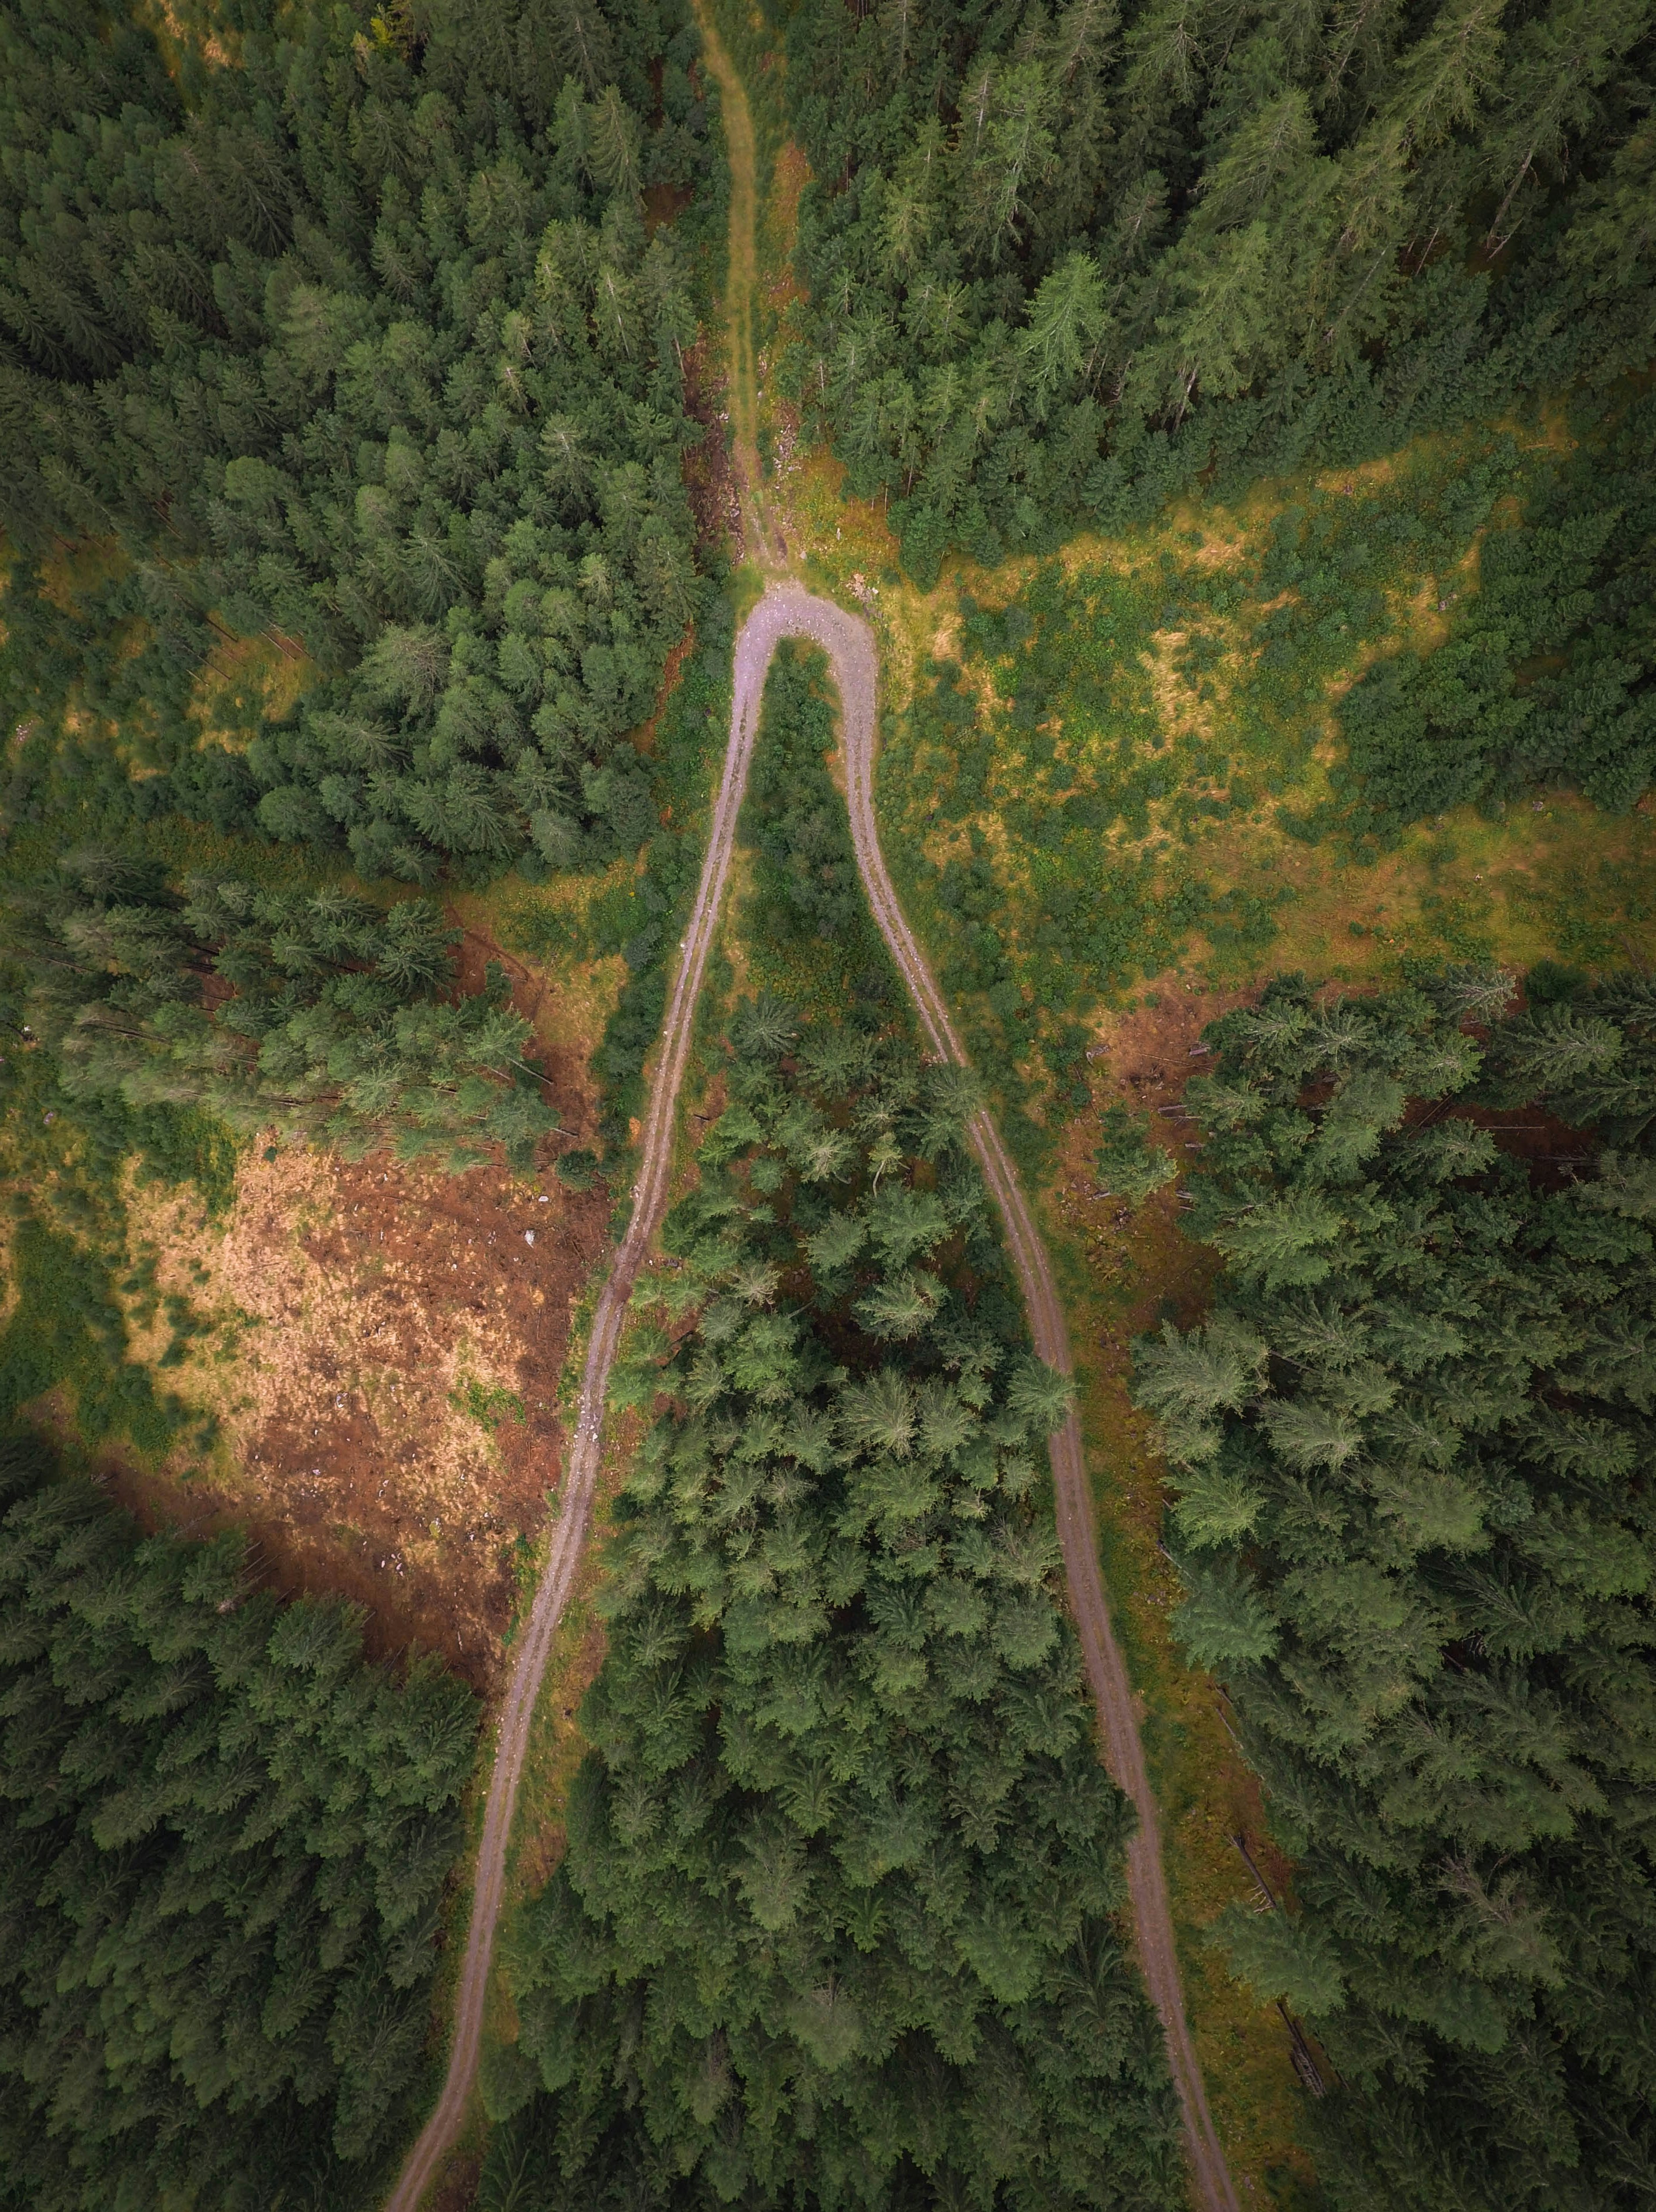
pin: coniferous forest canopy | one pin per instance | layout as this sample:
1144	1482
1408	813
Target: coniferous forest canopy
1063	259
345	335
358	344
1411	1453
1068	261
836	1923
225	1842
354	364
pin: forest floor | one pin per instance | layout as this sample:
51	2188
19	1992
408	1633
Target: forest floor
361	1359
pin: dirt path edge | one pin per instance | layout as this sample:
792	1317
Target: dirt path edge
786	611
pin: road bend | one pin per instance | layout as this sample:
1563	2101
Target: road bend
786	611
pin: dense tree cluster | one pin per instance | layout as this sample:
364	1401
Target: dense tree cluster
794	814
836	1923
1551	675
1411	1449
322	1015
225	1839
347	330
1062	258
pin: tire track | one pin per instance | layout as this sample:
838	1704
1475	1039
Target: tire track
786	611
575	1497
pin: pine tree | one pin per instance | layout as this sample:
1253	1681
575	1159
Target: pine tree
1409	1518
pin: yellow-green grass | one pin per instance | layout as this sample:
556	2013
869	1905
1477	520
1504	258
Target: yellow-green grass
1549	877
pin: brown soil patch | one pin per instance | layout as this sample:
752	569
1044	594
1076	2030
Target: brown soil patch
709	477
1150	1052
644	738
664	204
567	1001
790	175
385	1381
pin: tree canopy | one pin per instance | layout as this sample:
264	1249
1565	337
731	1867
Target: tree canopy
836	1924
320	1015
1064	258
347	329
1411	1453
225	1841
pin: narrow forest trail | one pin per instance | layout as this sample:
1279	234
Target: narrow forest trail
786	610
763	541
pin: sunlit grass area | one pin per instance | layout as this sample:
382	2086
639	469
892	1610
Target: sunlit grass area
1129	760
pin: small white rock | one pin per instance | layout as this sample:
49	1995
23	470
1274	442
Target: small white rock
529	1237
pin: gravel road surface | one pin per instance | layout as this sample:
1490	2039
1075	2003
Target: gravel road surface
787	610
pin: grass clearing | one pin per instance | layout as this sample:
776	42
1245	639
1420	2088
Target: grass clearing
1125	759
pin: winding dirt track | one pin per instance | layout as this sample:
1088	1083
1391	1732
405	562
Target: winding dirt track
785	610
575	1497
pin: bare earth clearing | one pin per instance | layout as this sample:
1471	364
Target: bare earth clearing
387	1428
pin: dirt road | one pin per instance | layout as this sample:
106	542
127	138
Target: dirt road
575	1497
787	612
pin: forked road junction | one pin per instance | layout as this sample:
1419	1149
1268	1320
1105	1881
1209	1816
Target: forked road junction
787	610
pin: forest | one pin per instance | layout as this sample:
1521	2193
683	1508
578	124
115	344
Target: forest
1410	1459
346	538
226	1837
1547	679
356	345
337	1022
364	456
1064	268
1061	263
836	1922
